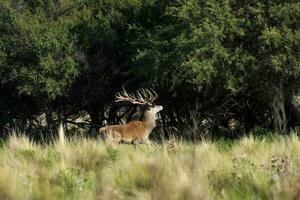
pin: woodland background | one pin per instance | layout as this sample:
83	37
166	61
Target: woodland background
221	68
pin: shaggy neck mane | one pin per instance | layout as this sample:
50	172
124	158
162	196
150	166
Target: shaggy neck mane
149	119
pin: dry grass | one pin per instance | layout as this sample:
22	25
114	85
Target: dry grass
89	169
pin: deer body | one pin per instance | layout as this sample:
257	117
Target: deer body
137	131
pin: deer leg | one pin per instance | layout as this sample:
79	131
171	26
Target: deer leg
126	140
138	141
142	141
147	141
113	138
117	137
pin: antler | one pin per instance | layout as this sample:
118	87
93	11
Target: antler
142	97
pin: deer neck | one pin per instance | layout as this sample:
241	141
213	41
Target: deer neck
149	119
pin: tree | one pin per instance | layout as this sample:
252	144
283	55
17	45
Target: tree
39	51
232	56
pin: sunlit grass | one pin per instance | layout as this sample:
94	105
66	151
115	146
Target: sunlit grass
249	168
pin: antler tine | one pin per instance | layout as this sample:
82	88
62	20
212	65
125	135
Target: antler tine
140	96
123	96
144	93
155	94
131	96
152	95
147	95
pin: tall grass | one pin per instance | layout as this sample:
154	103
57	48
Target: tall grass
88	169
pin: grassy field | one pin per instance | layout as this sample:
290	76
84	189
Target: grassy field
88	169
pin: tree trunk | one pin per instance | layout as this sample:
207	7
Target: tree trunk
95	121
279	113
49	119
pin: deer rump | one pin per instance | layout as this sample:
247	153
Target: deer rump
133	132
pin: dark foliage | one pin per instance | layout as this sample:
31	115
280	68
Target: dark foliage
221	68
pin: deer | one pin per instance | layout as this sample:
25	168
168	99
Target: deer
136	132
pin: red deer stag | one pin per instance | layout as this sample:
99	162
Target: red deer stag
136	131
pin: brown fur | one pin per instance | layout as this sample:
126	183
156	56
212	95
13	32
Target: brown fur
136	131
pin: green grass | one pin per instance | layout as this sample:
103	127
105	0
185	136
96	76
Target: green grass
248	168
